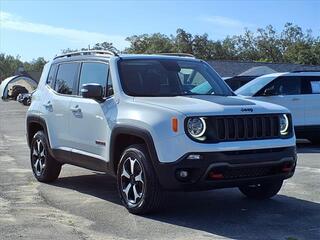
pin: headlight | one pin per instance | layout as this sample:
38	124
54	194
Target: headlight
284	124
196	127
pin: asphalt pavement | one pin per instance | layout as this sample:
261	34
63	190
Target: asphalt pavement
84	204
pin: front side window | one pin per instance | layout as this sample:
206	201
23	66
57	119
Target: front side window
254	86
94	72
289	86
66	78
282	86
162	77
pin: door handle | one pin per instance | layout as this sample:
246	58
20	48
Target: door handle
75	109
295	99
48	105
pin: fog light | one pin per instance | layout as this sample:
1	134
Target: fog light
183	174
194	157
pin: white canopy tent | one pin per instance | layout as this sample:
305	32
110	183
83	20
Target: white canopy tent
24	81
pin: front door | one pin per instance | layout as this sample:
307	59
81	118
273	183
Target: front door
89	123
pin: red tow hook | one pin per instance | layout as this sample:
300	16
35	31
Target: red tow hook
287	167
216	175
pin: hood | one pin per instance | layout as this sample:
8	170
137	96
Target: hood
206	105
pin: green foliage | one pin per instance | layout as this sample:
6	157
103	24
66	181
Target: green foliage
9	65
98	46
153	43
35	65
292	45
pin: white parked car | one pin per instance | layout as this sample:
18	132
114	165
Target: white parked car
298	91
143	119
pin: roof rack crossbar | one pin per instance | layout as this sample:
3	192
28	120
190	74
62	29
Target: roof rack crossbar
88	52
177	54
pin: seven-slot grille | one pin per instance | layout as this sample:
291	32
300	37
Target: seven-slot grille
244	127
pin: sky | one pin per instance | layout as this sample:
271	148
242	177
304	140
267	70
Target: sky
37	28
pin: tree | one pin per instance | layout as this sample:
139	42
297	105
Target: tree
183	42
35	65
247	48
265	45
98	46
105	46
8	65
145	43
268	44
202	47
299	47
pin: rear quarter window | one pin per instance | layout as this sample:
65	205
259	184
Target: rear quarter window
51	75
311	84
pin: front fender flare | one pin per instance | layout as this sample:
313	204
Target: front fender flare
137	132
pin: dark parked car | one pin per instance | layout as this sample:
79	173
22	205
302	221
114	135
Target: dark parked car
16	90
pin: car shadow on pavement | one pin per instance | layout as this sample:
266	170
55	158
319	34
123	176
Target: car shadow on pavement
229	214
224	212
98	185
307	148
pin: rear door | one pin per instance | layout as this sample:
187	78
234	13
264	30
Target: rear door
286	91
57	104
311	95
89	125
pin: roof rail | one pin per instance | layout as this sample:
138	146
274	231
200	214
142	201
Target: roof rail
298	71
88	52
177	54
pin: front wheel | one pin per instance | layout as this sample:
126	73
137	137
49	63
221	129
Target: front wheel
138	185
261	191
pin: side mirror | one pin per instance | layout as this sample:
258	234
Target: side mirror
269	92
93	91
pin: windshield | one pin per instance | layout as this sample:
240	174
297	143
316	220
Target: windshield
252	87
162	77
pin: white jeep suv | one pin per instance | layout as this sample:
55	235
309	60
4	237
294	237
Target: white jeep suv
298	91
141	119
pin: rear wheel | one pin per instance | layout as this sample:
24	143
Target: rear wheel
45	168
261	191
138	186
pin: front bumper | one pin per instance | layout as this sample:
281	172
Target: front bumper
227	169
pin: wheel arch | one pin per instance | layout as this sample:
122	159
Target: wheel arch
123	136
35	124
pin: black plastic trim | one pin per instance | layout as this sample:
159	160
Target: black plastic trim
198	168
38	120
80	160
209	139
134	131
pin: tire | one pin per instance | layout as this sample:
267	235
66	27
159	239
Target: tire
25	101
139	190
44	167
261	191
